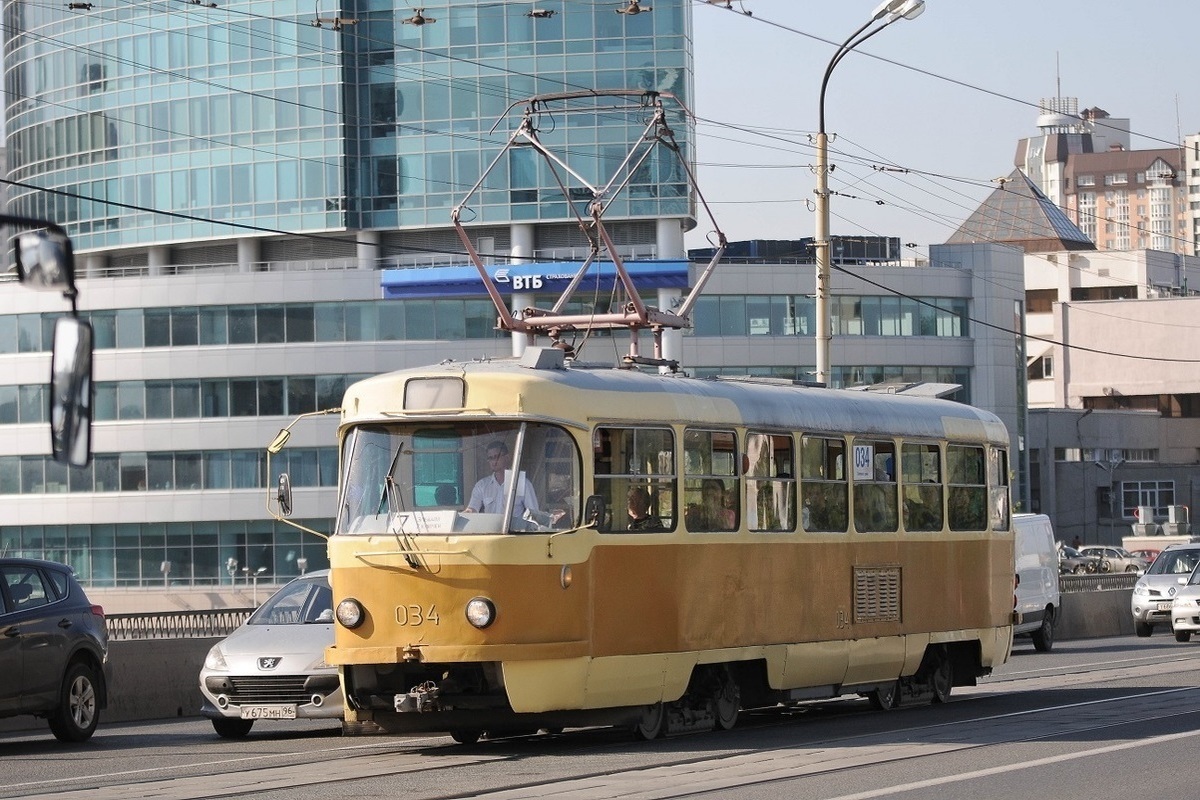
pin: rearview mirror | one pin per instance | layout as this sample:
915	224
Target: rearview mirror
45	261
71	392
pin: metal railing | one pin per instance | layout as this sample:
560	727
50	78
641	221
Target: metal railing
175	624
1097	583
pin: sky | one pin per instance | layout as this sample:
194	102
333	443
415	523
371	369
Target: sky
946	96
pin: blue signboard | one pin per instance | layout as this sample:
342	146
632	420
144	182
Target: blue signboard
545	278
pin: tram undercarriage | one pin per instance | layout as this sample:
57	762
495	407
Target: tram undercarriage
469	700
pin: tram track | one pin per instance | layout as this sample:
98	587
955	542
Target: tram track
769	748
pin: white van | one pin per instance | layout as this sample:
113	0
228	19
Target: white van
1037	601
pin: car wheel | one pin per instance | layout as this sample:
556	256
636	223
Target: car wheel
1080	569
1183	636
232	727
466	736
1043	637
75	718
1132	568
1143	629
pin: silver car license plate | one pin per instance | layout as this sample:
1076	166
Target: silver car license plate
278	711
1164	606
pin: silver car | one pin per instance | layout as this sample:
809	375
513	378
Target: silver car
1115	559
1185	608
273	666
1155	590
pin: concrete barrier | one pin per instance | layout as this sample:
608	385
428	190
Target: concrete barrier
148	679
159	678
1090	615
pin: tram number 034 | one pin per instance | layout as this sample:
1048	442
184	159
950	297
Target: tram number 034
415	615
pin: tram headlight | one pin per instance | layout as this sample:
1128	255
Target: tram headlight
481	612
350	613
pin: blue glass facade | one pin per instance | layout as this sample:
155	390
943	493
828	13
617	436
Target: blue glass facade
153	124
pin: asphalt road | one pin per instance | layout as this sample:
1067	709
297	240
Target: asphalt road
1095	719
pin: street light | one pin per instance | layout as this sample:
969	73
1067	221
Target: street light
1114	460
885	14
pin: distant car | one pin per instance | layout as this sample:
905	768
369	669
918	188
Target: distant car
53	648
1072	561
273	666
1185	608
1155	590
1115	559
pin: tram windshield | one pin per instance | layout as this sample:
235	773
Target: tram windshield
487	477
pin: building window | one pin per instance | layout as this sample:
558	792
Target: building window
1155	494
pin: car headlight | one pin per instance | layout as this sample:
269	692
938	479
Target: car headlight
481	612
215	660
350	613
1141	589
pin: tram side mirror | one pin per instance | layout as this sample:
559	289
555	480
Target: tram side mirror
45	261
593	510
71	392
283	494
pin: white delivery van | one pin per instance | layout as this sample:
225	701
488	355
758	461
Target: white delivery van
1037	600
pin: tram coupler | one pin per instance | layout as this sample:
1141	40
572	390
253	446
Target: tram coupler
422	698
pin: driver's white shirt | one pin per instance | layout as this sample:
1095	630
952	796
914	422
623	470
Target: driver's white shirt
488	496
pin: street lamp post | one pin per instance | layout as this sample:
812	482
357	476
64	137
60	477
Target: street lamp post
885	14
1114	461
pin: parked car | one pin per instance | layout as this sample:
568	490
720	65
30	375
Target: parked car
53	648
273	666
1115	559
1185	607
1155	590
1148	555
1072	561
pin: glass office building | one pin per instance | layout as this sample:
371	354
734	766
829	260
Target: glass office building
238	181
153	125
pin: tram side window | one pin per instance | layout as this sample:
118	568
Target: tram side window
998	486
967	481
635	474
770	485
875	486
824	506
710	480
921	487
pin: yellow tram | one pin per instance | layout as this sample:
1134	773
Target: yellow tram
529	543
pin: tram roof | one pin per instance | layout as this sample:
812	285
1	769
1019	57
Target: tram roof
676	398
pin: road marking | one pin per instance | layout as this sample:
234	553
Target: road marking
1037	762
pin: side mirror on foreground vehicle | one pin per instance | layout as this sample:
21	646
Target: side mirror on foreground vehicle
45	261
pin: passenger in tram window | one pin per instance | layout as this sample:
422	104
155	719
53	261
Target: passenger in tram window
711	514
641	514
488	493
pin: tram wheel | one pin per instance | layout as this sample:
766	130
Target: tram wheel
726	702
885	698
653	724
466	736
942	679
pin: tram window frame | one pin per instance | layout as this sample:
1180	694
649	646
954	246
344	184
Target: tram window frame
876	507
824	478
998	489
711	455
626	458
770	481
966	487
922	492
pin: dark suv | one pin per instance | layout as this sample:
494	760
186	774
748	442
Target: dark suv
53	648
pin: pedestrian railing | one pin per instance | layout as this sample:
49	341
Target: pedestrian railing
175	624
